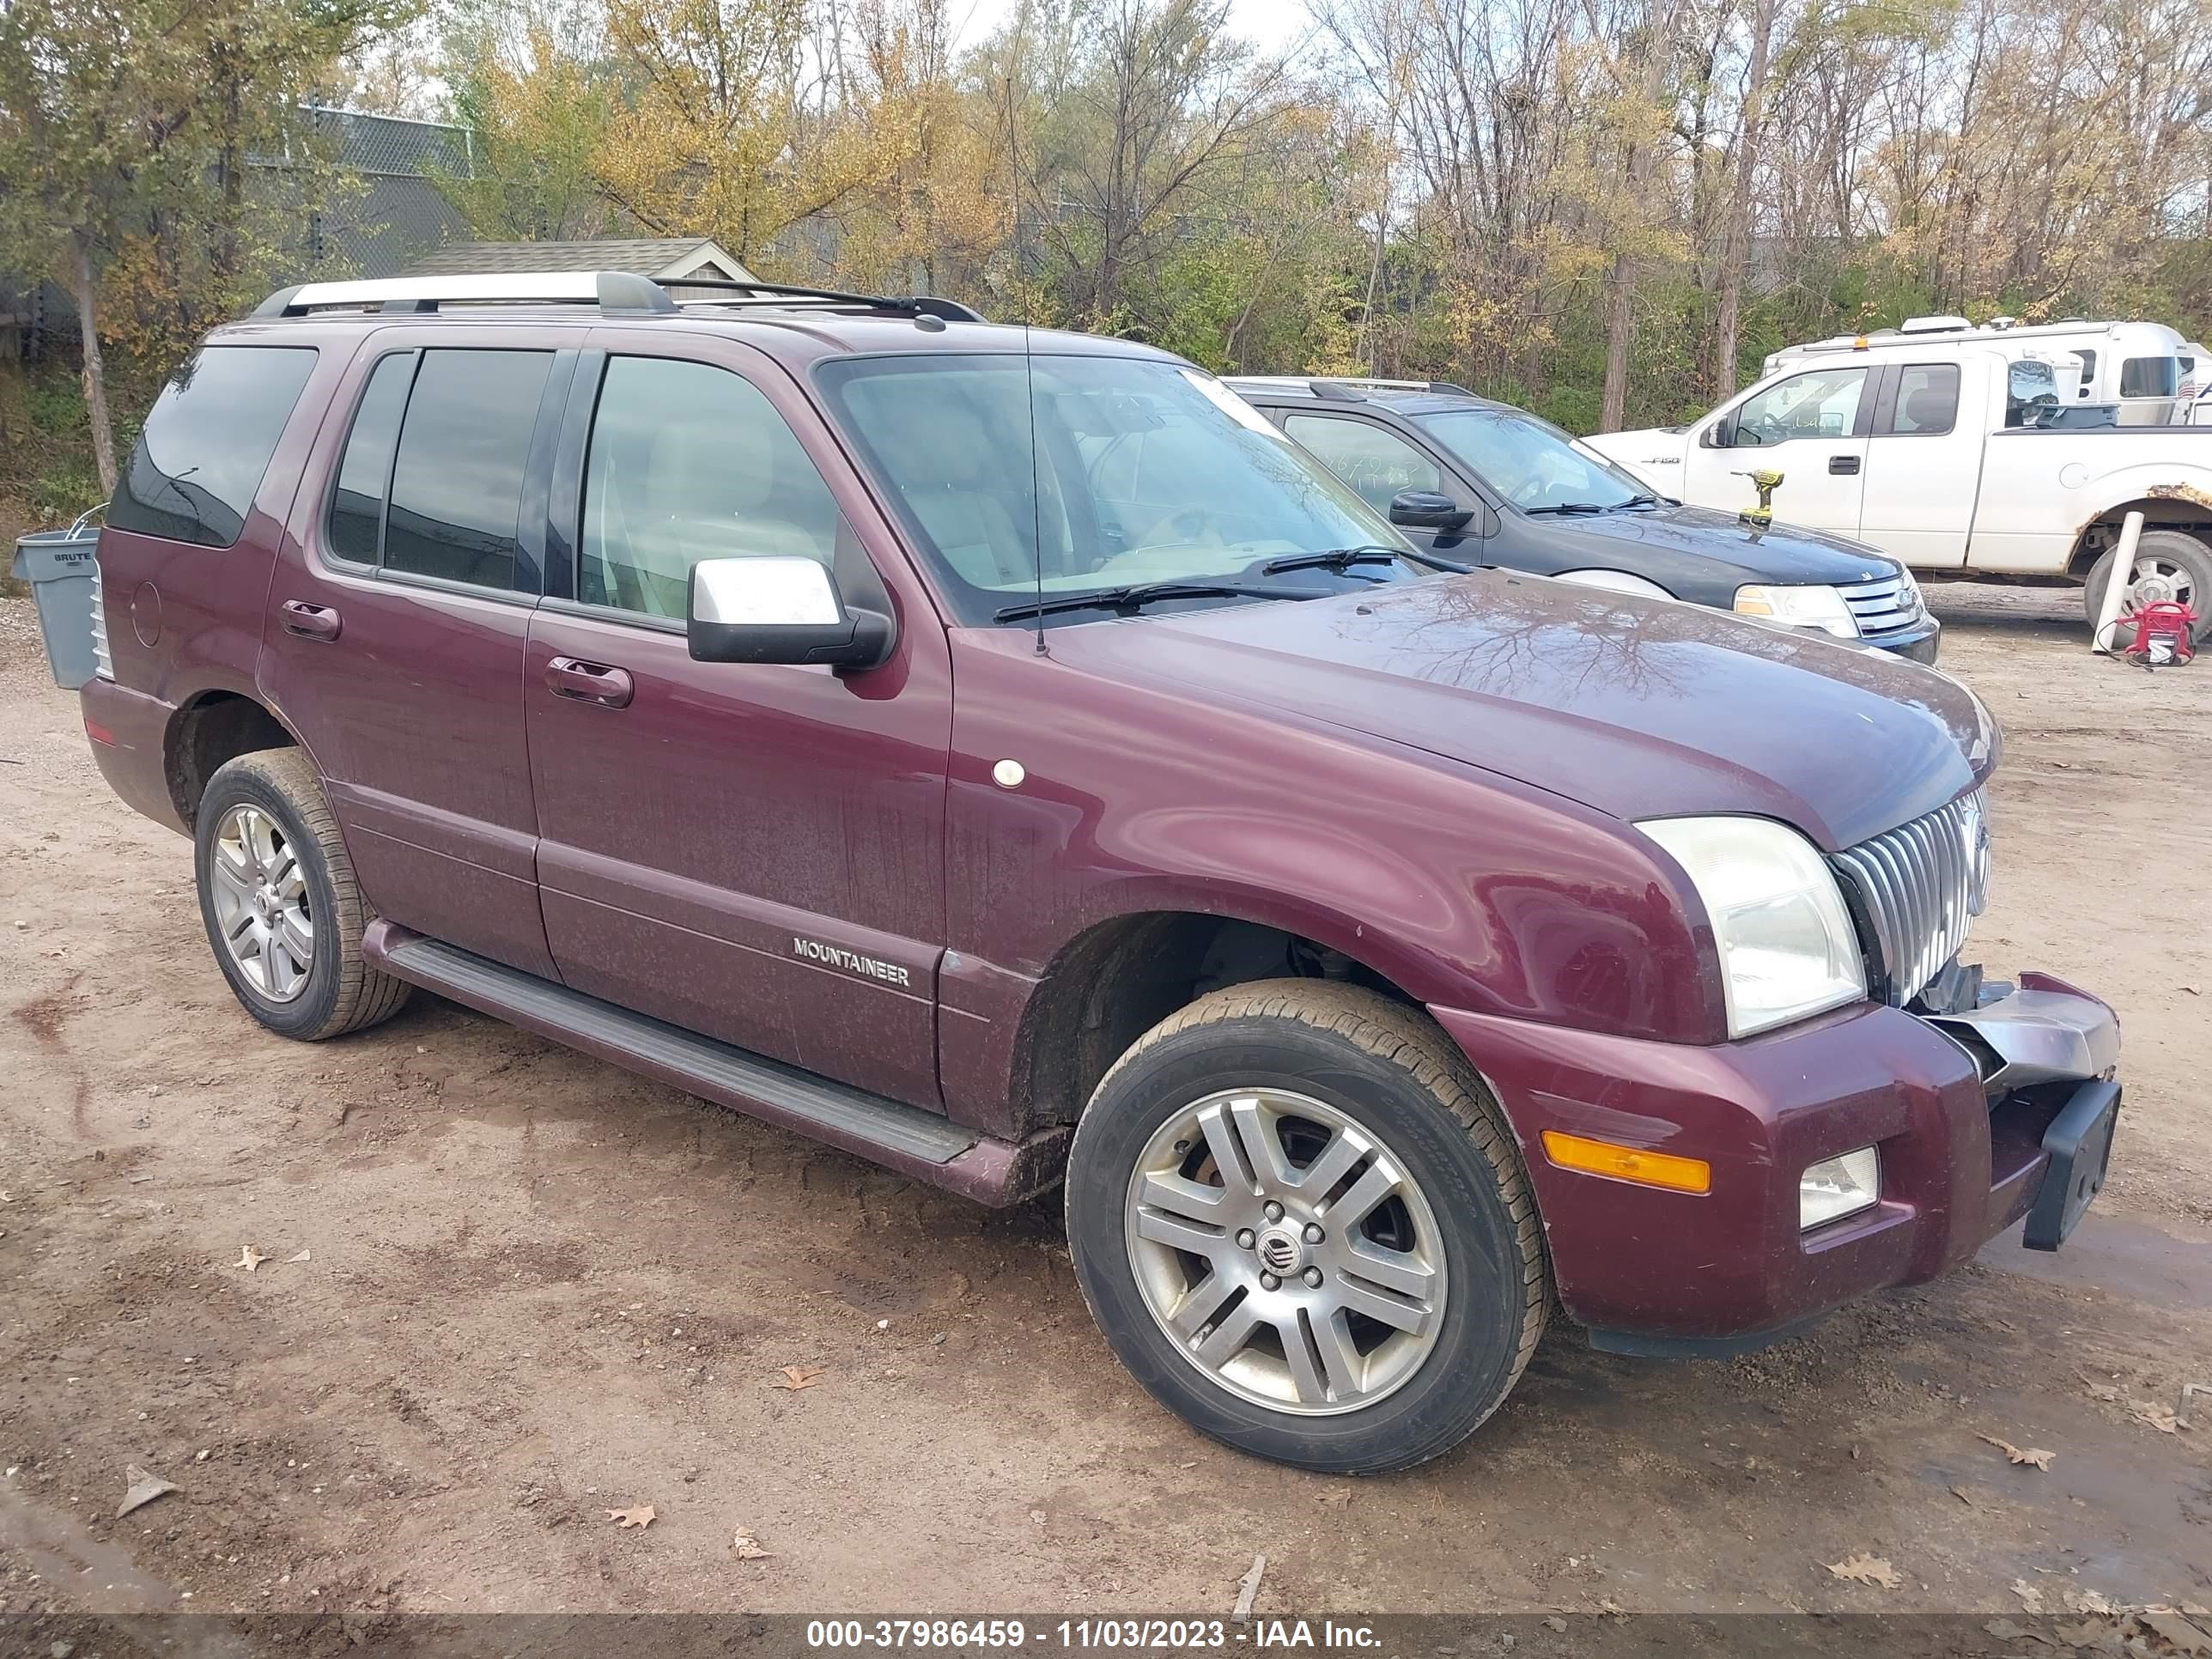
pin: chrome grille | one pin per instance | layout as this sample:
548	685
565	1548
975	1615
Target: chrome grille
102	664
1883	606
1919	886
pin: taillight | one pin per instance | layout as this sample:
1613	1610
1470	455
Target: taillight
103	663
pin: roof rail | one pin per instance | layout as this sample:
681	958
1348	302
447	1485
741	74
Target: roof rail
616	293
1345	388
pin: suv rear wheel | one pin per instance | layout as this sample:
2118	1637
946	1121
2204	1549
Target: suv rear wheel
277	894
1299	1218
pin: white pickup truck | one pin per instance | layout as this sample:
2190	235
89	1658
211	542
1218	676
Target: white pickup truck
1953	456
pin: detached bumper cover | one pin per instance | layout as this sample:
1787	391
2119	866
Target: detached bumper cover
1958	1165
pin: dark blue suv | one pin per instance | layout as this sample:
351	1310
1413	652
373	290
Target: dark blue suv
1490	484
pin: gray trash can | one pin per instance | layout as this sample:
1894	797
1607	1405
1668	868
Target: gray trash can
63	572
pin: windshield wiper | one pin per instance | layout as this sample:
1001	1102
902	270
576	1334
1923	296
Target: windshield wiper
1341	558
1633	500
1565	507
1140	594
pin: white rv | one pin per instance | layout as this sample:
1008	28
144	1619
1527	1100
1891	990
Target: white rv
2134	366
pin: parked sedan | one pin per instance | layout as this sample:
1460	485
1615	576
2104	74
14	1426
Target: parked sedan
1469	479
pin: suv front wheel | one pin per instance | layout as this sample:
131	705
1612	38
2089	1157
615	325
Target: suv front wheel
1299	1218
277	894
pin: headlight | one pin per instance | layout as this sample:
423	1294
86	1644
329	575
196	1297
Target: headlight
1798	607
1911	585
1786	944
1837	1187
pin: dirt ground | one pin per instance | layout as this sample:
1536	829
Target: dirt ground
507	1289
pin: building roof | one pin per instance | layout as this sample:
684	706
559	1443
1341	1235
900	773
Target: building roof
658	255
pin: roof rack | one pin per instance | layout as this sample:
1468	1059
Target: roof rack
616	293
1347	388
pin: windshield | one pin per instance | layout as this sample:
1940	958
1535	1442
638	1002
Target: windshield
1531	463
1146	472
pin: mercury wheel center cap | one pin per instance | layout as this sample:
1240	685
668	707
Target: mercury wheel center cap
1282	1252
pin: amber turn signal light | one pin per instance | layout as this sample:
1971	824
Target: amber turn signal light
1676	1174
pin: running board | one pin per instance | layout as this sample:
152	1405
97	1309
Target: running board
904	1138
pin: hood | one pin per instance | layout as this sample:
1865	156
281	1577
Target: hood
1637	707
1725	549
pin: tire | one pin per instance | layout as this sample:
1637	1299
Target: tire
1315	1070
267	857
2179	560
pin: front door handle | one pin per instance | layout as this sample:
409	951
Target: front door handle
310	621
589	682
1842	465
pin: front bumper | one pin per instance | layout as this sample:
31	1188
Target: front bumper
1665	1271
1917	643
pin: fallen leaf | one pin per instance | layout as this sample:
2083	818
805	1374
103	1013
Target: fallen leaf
1339	1495
1867	1569
144	1488
1248	1588
2033	1455
2086	1601
2193	990
2031	1599
249	1258
1959	1493
2086	1634
2156	1417
795	1377
641	1516
2103	1391
748	1546
1556	1623
2004	1630
302	1256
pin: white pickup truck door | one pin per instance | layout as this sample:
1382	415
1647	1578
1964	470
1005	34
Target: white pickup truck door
1924	461
1811	428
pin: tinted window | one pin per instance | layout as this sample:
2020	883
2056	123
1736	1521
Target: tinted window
357	503
2088	370
199	462
1531	463
457	488
690	462
1926	399
1823	404
1376	463
2150	377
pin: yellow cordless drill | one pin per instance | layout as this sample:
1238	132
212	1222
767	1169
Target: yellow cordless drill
1766	480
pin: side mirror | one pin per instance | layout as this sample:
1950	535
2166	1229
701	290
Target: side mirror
1715	436
783	610
1427	509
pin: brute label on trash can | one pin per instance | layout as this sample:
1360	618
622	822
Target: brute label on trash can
63	572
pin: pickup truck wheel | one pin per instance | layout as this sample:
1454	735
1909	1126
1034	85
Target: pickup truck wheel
2170	564
277	895
1301	1222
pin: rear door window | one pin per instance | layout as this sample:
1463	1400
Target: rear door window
1377	463
199	459
1926	399
463	453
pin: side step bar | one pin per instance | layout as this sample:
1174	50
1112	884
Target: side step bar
914	1142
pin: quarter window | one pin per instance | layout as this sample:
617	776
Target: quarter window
464	449
1377	463
365	471
1823	403
198	461
690	462
1926	399
2088	369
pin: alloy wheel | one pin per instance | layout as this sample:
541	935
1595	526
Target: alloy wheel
1285	1252
261	906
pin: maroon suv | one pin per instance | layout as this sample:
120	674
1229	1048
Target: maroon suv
1007	758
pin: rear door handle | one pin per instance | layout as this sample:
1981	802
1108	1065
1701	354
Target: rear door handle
310	621
589	682
1843	464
